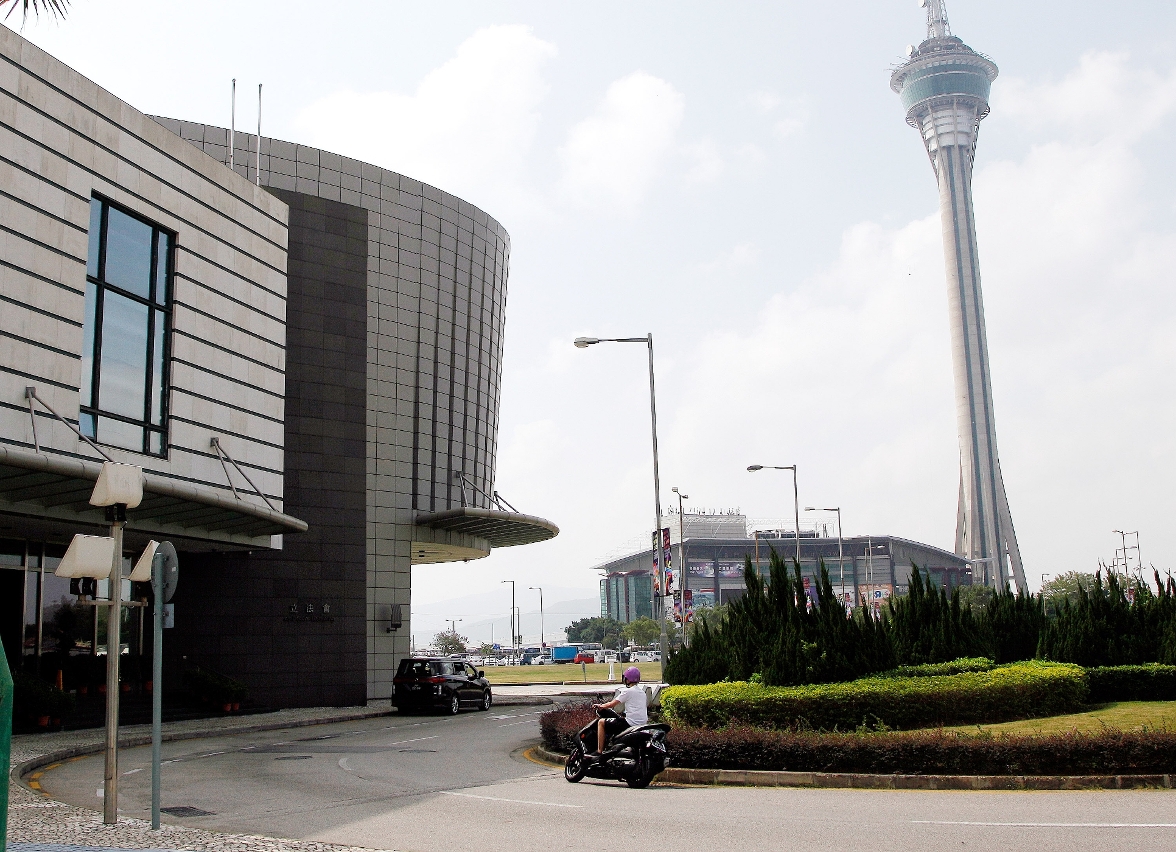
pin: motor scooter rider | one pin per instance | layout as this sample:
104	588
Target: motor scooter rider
634	704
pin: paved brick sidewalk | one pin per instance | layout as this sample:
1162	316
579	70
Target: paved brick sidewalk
37	823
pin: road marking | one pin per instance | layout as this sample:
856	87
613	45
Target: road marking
212	754
343	765
513	801
1049	824
417	740
512	724
133	771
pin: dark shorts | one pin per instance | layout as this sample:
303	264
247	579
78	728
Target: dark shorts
612	727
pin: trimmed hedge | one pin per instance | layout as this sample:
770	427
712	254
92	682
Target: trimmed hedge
1017	691
1153	682
1107	752
558	727
963	664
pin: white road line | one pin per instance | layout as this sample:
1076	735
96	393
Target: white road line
1048	824
343	764
513	801
133	771
512	724
417	740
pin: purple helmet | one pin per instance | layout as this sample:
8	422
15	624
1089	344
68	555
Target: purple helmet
632	674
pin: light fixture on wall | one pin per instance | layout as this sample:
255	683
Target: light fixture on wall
395	618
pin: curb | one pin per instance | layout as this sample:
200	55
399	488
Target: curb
19	771
860	781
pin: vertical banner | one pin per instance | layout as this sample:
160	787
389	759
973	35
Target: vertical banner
667	562
657	584
689	606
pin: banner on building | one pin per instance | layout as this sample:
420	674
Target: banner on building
731	570
701	568
663	566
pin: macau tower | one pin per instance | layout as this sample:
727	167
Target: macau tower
944	87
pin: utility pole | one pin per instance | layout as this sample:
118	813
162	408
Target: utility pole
542	633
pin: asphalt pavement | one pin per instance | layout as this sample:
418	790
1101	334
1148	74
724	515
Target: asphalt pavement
454	783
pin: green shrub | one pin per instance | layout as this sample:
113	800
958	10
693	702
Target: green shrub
926	626
1107	752
1017	691
1153	682
963	664
34	698
212	687
784	632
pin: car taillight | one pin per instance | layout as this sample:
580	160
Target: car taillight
436	680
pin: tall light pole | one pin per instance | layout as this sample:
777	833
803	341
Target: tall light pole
840	556
513	633
542	633
453	622
584	343
683	573
795	497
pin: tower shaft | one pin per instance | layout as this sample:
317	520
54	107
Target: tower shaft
945	87
984	528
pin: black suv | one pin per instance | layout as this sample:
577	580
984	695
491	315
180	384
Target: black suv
439	683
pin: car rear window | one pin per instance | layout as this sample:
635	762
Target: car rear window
419	668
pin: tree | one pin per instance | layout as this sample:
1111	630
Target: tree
642	631
449	642
56	8
976	597
606	631
485	649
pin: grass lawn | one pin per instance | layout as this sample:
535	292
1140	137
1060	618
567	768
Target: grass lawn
1123	715
569	672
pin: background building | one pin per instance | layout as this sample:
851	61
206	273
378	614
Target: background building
335	327
875	567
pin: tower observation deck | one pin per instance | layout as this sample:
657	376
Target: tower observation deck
944	86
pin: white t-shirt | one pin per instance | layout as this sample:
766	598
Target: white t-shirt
634	705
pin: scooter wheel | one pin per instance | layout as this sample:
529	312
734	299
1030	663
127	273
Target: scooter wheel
574	767
644	776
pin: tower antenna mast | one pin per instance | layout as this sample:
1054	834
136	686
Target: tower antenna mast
937	26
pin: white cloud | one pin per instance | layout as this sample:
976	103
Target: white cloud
1105	98
468	127
611	158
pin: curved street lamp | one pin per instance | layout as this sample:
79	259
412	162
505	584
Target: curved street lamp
584	343
752	468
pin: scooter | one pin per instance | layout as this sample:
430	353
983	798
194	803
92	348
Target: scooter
634	756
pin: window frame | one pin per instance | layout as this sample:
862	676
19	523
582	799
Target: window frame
158	304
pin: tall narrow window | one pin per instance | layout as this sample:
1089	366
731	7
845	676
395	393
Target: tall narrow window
126	331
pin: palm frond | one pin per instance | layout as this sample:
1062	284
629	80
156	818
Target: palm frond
56	8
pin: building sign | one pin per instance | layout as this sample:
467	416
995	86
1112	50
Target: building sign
310	610
731	570
701	568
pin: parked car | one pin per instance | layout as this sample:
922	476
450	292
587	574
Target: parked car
543	660
439	683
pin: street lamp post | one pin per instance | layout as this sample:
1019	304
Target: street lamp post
584	343
840	555
513	633
453	622
542	633
683	573
795	497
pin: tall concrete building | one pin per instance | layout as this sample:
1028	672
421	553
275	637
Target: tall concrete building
944	87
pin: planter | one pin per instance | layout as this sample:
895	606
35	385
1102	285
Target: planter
42	721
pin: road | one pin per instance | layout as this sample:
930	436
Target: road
425	783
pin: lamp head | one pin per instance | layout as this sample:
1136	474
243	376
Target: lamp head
755	467
810	508
585	342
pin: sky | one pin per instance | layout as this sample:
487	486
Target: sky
737	178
